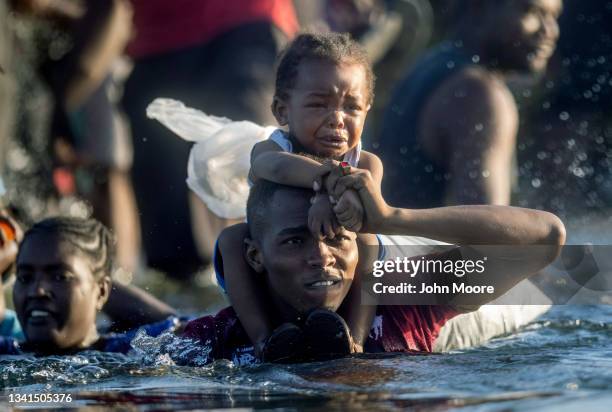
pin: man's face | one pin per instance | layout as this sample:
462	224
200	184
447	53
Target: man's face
523	33
327	108
302	271
56	296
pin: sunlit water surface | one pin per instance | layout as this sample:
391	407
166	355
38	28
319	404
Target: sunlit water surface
561	362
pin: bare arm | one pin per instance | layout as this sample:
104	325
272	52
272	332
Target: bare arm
529	239
105	45
129	306
269	162
470	125
246	293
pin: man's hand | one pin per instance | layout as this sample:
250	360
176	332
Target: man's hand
321	218
360	180
349	211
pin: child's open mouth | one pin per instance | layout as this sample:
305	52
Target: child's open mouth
333	142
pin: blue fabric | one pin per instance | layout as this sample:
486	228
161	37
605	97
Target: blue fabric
412	179
10	327
118	342
9	346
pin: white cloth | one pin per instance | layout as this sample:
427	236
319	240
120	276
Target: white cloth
219	161
478	326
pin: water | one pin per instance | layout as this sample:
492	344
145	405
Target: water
561	362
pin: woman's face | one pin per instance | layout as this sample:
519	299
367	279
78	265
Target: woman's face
56	295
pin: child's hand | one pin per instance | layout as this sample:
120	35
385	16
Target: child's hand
319	183
349	211
321	218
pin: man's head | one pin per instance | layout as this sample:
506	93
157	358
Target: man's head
302	272
516	35
63	279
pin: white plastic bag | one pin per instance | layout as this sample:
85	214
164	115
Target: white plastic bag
219	161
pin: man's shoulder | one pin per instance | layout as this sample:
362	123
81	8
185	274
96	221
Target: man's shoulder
473	82
403	328
206	328
224	335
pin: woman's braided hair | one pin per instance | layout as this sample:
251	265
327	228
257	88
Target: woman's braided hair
333	47
87	236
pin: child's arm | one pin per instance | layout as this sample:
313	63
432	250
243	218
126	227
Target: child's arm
245	293
359	316
349	211
270	162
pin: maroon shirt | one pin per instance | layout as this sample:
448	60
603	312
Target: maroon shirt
395	329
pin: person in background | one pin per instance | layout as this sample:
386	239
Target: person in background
450	130
214	55
63	279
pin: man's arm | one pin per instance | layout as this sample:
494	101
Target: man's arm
470	125
129	306
517	242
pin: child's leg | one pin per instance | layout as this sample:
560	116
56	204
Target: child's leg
359	317
246	294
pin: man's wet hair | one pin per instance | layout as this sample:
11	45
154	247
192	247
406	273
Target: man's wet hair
333	47
88	237
258	204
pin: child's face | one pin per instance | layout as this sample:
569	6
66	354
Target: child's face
327	107
56	295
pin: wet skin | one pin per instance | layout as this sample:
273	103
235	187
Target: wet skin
56	295
302	272
327	108
522	34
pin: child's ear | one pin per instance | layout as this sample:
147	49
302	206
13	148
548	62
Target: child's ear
253	256
104	286
279	110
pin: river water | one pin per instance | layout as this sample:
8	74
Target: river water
561	362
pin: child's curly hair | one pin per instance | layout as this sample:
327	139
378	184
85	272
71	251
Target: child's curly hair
87	236
333	47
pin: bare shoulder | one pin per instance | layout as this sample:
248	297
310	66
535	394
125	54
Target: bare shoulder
368	160
371	162
471	98
263	147
472	89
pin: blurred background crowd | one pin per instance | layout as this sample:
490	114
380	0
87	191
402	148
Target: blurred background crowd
77	75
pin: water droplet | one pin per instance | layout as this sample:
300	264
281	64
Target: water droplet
450	64
486	173
479	127
475	58
536	182
403	150
564	116
527	93
473	174
546	105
